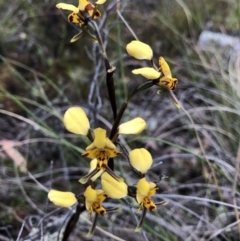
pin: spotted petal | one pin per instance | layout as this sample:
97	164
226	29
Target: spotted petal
167	82
82	4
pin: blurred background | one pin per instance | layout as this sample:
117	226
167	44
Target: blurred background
42	74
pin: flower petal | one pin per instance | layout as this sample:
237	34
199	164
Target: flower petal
134	126
62	199
110	145
100	137
140	159
93	165
143	187
82	4
164	67
167	82
76	121
147	72
112	187
69	7
139	50
74	18
153	189
100	1
90	197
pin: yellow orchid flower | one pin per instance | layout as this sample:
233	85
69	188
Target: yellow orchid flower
140	159
113	188
140	50
102	149
93	200
163	74
62	199
145	190
77	15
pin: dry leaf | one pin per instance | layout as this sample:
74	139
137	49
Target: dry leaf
14	154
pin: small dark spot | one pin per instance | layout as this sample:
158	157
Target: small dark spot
97	14
151	208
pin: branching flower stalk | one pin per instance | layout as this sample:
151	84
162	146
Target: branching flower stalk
102	149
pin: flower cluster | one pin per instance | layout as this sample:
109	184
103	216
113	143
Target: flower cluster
103	149
162	75
99	151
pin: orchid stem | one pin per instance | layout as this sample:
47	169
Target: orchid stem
109	71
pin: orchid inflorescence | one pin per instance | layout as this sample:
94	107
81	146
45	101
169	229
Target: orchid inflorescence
103	147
